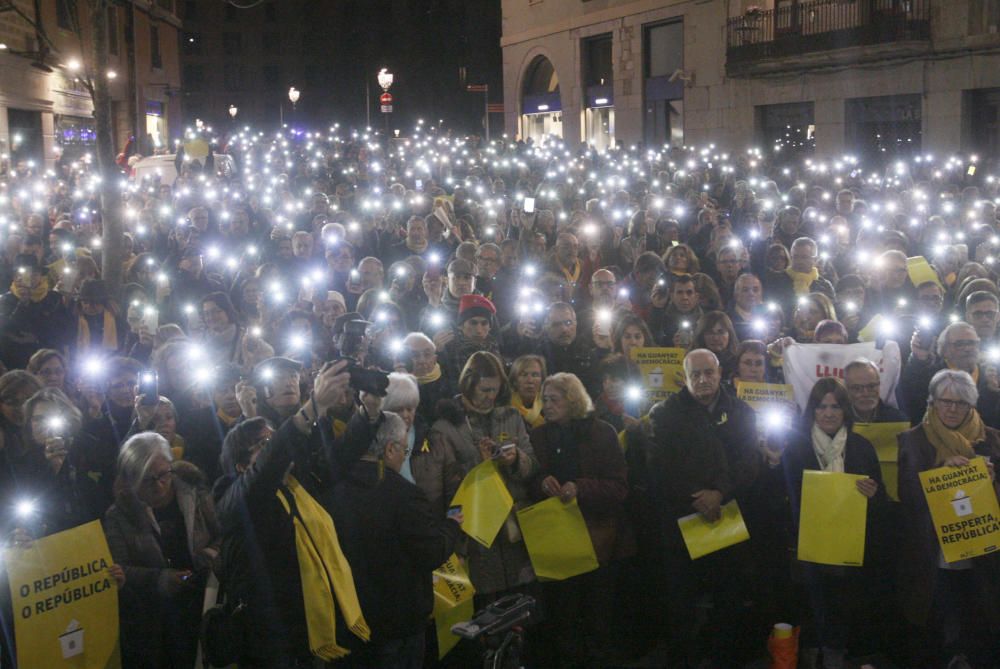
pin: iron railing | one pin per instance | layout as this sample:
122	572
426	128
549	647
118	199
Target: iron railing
822	25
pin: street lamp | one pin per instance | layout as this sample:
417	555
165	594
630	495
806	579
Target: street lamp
233	110
384	79
294	95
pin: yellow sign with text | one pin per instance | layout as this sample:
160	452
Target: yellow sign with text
883	437
65	604
920	271
557	539
452	602
703	537
662	370
832	519
764	396
963	505
485	502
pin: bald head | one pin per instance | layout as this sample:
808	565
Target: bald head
702	375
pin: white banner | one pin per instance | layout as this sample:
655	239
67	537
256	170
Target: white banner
805	364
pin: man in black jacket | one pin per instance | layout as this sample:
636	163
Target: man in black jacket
702	455
393	541
259	562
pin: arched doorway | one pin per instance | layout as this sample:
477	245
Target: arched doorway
541	107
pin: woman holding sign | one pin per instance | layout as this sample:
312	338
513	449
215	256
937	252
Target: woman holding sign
938	595
580	459
837	594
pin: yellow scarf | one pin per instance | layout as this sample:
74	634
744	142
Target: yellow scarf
339	428
974	375
110	338
801	281
325	574
38	293
225	418
573	276
177	445
433	376
532	416
947	442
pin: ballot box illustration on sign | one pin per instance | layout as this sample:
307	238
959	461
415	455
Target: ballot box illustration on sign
962	504
71	640
655	378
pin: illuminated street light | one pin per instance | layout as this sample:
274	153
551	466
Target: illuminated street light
233	110
294	95
385	79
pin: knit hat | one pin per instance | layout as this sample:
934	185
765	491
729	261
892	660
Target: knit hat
474	306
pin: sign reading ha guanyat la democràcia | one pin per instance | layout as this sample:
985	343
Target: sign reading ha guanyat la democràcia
662	370
964	509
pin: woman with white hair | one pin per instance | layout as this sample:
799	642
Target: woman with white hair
426	464
162	530
937	596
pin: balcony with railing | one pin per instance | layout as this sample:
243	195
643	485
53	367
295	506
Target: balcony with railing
811	26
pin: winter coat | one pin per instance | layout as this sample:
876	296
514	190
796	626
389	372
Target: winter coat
601	479
693	448
920	551
148	600
393	541
434	469
505	564
27	327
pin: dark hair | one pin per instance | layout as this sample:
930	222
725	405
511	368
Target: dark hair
122	365
236	445
483	365
648	262
629	320
981	296
828	384
709	321
753	346
614	366
223	302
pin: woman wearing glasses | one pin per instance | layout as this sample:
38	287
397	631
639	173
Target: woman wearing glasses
937	596
162	530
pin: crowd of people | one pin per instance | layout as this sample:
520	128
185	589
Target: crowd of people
309	354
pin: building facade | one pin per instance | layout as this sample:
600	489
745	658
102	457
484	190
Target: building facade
866	76
45	112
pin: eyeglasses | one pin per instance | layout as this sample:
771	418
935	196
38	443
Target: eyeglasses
965	343
864	387
953	404
158	478
602	284
565	324
985	314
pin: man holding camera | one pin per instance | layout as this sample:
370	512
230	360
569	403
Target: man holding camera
265	502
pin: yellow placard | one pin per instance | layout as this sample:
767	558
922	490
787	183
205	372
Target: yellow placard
832	519
65	604
452	601
703	537
764	396
662	370
963	505
485	502
883	437
557	539
920	271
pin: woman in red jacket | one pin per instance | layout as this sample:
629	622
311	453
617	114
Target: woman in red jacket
579	458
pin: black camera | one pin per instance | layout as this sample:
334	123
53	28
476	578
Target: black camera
498	618
371	381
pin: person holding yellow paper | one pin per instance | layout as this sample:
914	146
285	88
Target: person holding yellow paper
393	540
579	458
478	426
837	595
937	595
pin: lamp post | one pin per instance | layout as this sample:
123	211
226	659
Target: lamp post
233	111
385	81
293	95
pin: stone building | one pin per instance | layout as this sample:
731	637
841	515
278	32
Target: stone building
868	76
44	110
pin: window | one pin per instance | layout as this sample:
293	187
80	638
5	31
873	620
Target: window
272	43
194	77
232	44
664	49
191	44
113	31
984	17
888	125
67	17
788	128
232	75
597	61
155	60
